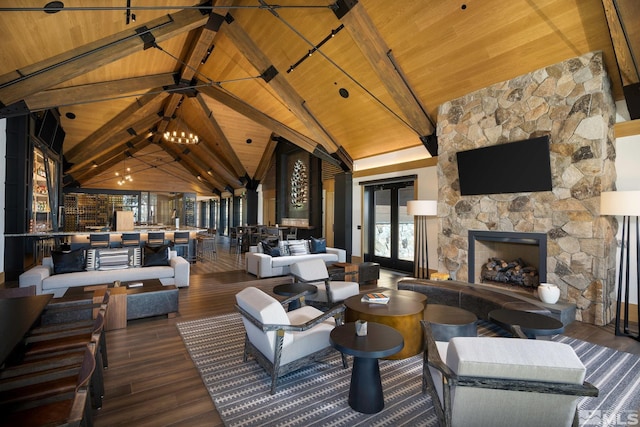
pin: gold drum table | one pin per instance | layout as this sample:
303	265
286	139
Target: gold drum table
403	312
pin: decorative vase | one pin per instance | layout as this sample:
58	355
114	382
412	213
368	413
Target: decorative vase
548	293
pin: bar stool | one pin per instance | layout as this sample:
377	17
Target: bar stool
155	238
207	247
130	239
99	240
182	244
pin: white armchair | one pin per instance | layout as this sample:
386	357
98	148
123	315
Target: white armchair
284	341
314	271
483	381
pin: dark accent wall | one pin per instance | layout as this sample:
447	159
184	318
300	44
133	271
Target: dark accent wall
343	211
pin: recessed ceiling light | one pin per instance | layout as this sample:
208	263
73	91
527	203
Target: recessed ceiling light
249	141
53	7
70	115
343	92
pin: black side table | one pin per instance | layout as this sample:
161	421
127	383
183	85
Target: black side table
292	289
365	391
448	322
532	324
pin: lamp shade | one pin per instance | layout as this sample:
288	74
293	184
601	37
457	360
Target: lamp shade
622	203
422	207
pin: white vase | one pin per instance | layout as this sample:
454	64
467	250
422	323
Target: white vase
548	293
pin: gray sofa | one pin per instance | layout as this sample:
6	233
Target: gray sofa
42	277
263	265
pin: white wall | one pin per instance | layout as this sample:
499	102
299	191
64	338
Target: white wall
427	185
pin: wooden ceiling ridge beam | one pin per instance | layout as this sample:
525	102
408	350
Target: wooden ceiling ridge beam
265	160
109	159
139	129
624	57
190	166
366	36
201	45
145	106
225	150
240	106
96	92
277	82
43	75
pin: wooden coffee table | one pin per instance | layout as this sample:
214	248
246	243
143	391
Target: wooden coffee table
403	312
344	271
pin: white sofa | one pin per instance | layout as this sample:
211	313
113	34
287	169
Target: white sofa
42	277
263	265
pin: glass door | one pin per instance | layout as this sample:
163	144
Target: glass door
388	228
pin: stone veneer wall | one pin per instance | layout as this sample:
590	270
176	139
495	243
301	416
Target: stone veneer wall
572	103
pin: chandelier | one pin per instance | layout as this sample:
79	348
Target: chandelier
125	176
181	134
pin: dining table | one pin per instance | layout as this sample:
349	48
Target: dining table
17	316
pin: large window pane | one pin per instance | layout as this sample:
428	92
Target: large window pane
405	225
383	223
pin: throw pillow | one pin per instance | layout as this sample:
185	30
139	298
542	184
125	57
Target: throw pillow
156	255
267	249
318	246
68	262
284	248
298	247
112	259
92	260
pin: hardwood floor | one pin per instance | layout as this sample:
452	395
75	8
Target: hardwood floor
151	380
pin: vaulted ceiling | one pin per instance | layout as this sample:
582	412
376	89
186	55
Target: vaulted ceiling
344	80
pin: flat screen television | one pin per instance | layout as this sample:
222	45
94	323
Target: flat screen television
512	167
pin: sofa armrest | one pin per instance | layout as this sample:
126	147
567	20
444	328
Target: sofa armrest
342	254
181	269
258	264
34	277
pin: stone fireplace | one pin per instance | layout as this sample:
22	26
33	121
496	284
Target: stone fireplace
572	104
524	257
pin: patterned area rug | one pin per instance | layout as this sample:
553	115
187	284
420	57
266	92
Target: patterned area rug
317	395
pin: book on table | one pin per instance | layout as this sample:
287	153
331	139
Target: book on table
375	298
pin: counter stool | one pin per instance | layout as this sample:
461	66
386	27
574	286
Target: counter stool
155	238
99	240
182	244
130	239
206	250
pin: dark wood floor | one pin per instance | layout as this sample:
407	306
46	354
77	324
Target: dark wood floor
151	380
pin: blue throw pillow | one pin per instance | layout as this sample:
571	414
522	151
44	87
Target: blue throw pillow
318	246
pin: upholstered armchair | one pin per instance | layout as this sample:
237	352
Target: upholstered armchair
284	341
314	271
482	381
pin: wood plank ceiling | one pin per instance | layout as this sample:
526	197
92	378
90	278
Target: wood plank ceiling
243	74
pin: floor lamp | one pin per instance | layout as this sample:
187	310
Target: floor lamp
625	204
421	209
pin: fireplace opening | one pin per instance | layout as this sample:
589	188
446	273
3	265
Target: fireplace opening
508	259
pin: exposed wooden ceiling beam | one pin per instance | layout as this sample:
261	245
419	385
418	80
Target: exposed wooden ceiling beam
95	92
144	106
222	146
265	161
110	158
188	162
278	83
628	71
30	80
375	49
259	117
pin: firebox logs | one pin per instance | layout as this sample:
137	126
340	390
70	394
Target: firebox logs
513	272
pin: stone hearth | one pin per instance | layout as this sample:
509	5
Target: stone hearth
572	103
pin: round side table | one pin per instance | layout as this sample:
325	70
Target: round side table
532	324
292	289
365	391
447	322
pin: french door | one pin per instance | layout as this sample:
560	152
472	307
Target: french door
388	229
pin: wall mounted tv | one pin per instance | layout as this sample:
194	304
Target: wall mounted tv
513	167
